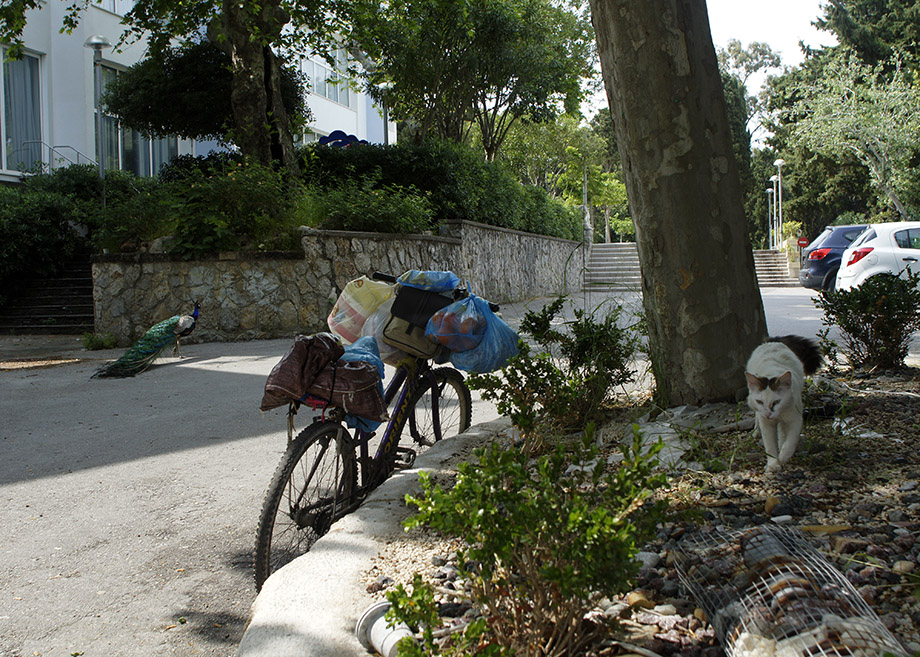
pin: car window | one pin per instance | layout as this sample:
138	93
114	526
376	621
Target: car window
870	234
908	239
852	234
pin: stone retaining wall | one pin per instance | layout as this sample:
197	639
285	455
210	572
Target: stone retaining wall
248	296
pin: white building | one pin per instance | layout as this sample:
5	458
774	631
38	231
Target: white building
49	117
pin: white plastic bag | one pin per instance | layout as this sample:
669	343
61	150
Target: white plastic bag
358	301
374	327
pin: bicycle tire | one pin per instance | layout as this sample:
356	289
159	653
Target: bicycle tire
455	410
314	485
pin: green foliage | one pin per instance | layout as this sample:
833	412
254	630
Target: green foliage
447	64
36	234
361	205
455	180
876	320
568	383
231	206
96	341
863	112
185	91
544	539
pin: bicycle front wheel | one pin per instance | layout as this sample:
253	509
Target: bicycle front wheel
445	390
314	485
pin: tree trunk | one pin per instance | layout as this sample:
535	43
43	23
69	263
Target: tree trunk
704	310
261	127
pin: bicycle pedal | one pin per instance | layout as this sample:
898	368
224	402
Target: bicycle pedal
405	458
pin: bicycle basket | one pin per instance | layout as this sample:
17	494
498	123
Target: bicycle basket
405	329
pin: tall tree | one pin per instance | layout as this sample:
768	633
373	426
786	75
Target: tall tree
254	34
857	110
443	65
875	29
703	307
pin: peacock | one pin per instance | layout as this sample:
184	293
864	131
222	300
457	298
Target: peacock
148	348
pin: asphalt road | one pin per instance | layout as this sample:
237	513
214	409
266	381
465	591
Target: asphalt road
130	505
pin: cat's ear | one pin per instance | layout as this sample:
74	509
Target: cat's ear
755	384
783	381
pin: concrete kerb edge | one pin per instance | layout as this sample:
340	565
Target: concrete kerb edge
310	607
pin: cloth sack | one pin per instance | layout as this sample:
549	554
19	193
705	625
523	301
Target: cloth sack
292	376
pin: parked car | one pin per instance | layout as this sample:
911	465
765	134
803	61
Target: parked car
821	258
892	248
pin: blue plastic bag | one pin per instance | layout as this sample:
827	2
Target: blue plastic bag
364	349
434	281
499	344
458	326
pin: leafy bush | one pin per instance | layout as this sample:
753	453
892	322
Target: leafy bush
231	205
545	540
459	184
358	204
36	234
96	341
567	383
876	320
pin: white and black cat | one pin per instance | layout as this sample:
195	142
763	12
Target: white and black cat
776	375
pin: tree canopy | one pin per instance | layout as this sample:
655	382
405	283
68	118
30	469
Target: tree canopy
859	110
443	65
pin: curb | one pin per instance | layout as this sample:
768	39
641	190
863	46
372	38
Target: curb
310	607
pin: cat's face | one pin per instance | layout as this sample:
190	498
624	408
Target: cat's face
769	397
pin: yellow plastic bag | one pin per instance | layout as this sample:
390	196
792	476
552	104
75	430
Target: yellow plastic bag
358	301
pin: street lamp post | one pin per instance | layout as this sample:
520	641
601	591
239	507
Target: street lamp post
779	198
770	217
384	92
97	42
773	179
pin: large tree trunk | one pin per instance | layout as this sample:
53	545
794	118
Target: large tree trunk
261	127
704	310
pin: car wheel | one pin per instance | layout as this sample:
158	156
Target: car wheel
830	281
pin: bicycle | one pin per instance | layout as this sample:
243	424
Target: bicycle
327	471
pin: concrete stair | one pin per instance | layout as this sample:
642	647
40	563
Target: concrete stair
615	266
772	268
62	304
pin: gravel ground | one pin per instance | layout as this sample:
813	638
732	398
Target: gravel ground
852	490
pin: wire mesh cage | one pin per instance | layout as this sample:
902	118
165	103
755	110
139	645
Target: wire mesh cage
769	593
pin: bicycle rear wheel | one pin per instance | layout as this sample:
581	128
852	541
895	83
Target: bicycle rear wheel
421	428
314	485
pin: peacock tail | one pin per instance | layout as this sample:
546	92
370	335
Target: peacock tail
149	346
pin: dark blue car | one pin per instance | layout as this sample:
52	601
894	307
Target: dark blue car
821	258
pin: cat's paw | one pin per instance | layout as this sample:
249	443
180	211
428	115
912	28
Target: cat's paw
773	465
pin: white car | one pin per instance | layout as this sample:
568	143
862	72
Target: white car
892	248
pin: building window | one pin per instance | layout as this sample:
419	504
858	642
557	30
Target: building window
331	83
130	150
21	127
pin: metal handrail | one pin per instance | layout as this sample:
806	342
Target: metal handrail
55	152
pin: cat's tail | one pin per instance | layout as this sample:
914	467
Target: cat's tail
806	350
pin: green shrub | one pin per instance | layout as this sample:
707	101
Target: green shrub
96	341
229	206
36	234
361	205
876	320
544	540
567	383
456	180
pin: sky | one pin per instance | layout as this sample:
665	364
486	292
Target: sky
779	23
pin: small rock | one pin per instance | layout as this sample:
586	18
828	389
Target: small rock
769	504
639	599
649	559
904	567
616	610
665	610
782	520
908	486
